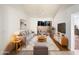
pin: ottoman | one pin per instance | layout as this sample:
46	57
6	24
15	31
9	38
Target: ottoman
40	50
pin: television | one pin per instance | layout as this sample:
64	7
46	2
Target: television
62	27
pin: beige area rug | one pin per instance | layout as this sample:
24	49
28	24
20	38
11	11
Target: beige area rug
49	43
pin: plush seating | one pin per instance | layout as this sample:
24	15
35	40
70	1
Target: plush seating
64	41
10	48
15	45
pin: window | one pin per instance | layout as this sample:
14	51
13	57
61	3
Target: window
44	23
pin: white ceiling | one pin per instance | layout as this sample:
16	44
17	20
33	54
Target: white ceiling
42	10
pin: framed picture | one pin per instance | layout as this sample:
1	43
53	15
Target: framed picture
22	24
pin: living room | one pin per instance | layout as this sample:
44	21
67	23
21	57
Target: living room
53	17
